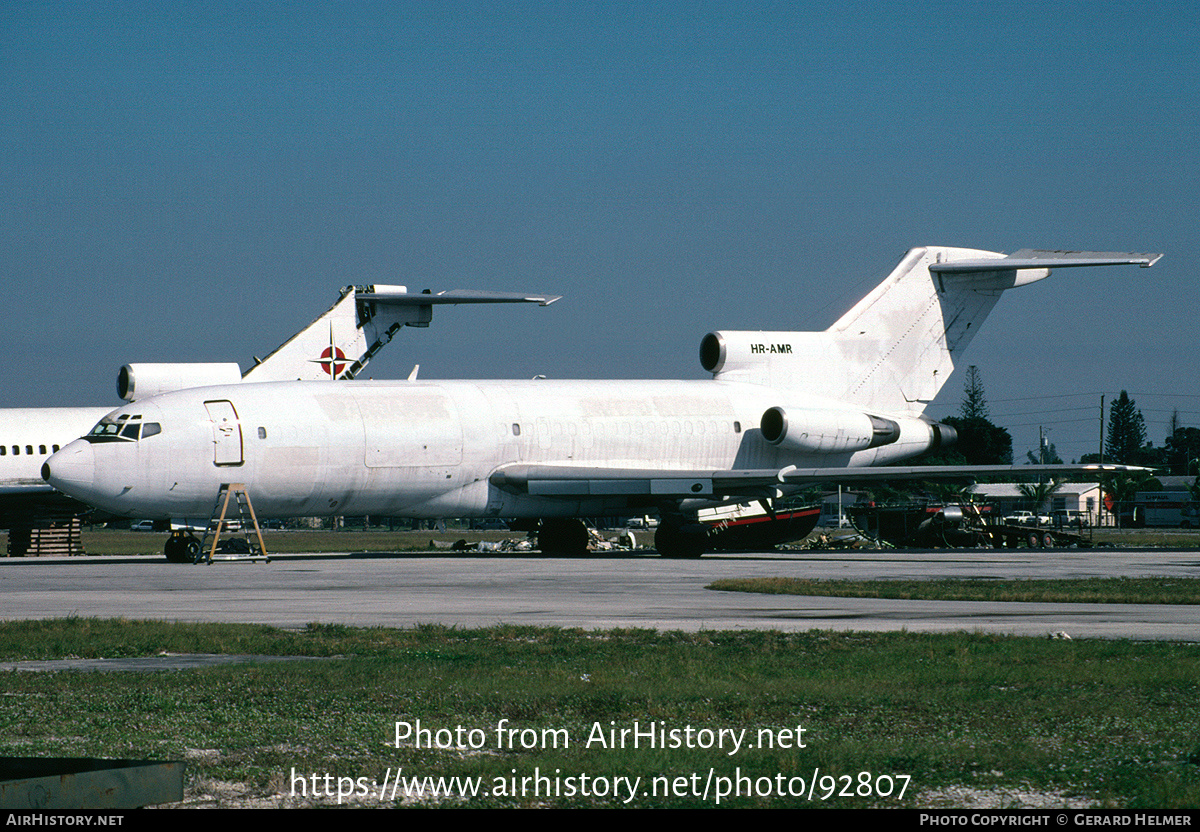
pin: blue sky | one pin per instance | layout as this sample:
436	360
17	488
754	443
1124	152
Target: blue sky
195	181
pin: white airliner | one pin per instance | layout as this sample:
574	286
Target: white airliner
782	410
337	345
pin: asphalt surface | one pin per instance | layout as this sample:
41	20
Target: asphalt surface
620	590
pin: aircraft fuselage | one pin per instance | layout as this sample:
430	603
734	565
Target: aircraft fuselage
429	449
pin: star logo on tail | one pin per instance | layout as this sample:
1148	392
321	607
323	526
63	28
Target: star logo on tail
332	359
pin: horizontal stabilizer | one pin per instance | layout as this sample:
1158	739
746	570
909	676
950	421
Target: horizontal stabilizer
398	295
1028	258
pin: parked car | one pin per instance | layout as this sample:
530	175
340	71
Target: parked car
1028	518
1071	518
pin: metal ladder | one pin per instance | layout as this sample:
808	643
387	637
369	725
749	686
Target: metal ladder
254	548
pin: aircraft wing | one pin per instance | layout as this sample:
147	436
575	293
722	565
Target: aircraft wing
17	487
574	482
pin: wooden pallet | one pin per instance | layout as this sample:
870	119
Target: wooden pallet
58	539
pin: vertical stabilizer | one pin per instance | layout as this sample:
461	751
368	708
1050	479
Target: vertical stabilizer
322	350
902	341
339	343
897	346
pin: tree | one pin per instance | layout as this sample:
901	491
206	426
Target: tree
1119	489
1183	450
1126	431
974	403
980	442
1039	493
1049	456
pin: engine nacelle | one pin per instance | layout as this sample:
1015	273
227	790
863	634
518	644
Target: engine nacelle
821	431
140	381
943	435
732	350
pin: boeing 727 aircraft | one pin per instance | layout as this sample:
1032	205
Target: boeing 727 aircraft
337	345
782	410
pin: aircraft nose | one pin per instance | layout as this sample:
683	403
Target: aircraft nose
72	470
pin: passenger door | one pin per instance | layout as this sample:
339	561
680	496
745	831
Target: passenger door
227	433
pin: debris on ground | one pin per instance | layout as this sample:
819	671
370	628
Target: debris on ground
832	541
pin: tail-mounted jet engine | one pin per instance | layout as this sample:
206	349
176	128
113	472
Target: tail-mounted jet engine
140	381
943	435
818	431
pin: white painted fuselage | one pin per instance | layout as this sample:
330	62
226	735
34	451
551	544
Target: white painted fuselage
28	436
426	449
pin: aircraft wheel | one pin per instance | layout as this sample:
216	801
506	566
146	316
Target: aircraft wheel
673	542
174	550
180	549
563	536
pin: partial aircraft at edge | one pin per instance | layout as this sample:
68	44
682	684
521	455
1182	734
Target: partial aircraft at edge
337	345
782	410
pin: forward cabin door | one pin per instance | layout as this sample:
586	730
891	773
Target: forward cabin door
227	433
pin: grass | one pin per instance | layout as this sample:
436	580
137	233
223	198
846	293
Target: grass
1107	721
1081	591
1146	538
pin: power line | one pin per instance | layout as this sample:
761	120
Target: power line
1097	394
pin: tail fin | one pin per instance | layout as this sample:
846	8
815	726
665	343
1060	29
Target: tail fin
339	343
897	346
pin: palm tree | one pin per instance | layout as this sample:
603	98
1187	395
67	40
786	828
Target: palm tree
1039	493
1121	488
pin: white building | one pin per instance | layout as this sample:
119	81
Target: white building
1082	497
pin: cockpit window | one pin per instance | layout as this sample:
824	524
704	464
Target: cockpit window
124	428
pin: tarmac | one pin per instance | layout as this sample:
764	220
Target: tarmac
604	591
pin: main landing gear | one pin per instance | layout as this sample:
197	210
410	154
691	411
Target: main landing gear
675	540
182	547
563	536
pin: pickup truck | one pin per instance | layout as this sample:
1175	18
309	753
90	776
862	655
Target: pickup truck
1027	518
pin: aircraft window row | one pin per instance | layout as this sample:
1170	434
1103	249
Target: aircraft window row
614	429
124	428
16	450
